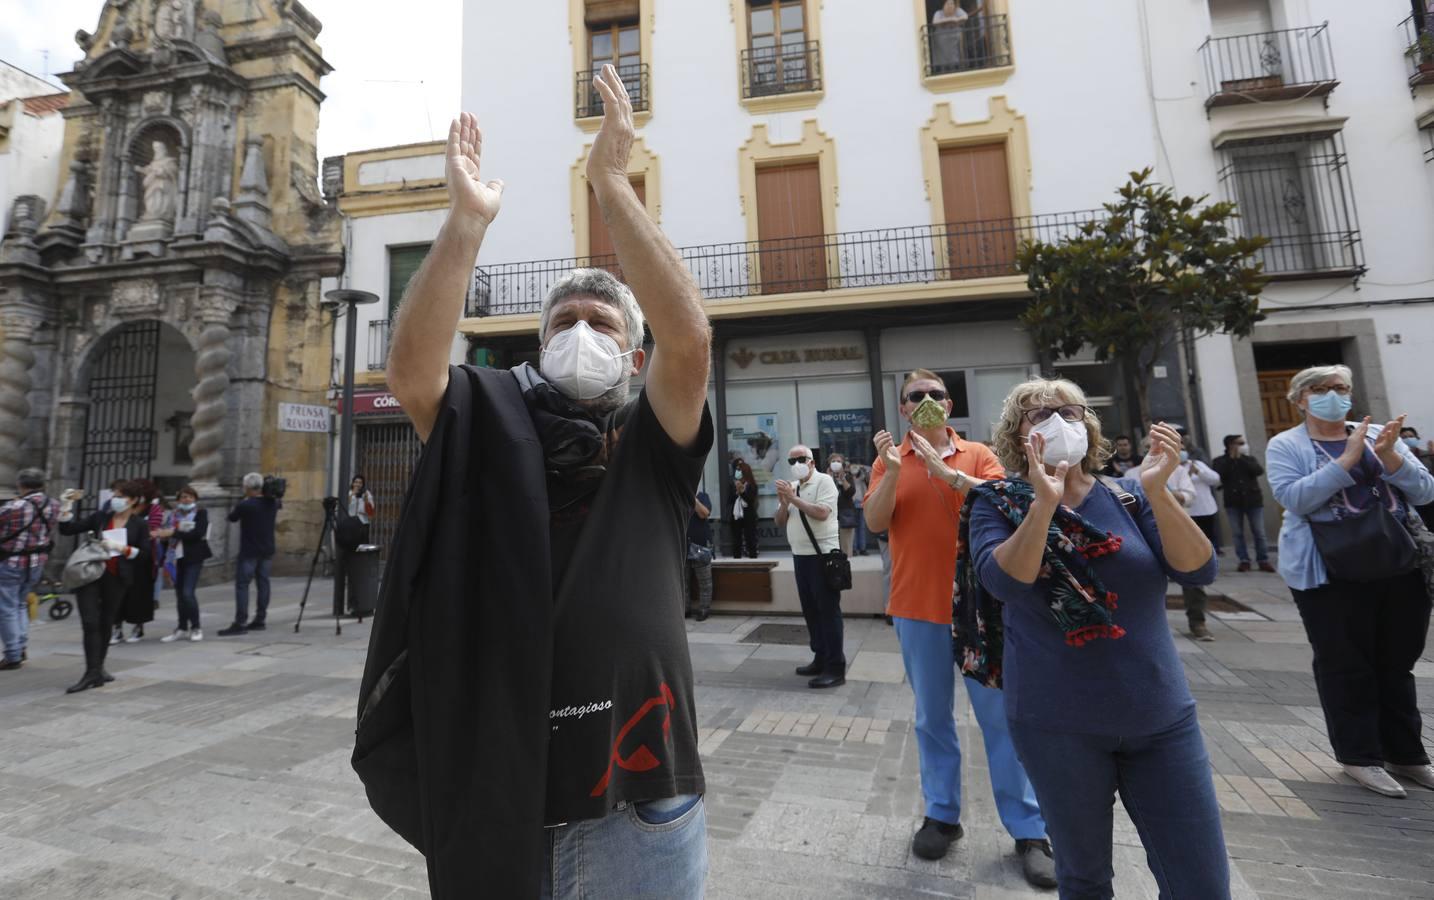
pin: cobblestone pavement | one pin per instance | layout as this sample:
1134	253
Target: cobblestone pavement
220	770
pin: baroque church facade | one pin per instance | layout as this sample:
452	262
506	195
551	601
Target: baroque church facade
158	310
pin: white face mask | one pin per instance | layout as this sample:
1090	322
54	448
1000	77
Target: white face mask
582	363
800	471
119	504
1066	442
836	467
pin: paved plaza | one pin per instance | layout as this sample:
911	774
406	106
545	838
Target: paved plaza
220	770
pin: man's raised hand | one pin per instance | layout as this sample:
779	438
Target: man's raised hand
612	147
887	450
467	192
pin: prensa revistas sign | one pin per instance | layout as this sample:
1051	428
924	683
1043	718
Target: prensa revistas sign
303	417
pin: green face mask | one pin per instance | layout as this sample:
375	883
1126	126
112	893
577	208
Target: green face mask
928	414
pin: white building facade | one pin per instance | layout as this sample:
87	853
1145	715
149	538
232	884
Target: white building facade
31	134
848	182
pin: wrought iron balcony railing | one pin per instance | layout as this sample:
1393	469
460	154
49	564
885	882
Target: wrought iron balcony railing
782	69
377	345
588	102
983	42
1274	65
855	259
1419	49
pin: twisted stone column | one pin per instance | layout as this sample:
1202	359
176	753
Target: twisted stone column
211	408
17	358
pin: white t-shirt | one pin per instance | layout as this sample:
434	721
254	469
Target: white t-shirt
1204	478
819	490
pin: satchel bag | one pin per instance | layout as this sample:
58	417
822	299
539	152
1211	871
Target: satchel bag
835	566
1423	548
1367	545
86	564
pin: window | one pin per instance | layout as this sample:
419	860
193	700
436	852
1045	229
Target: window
1295	191
403	263
619	44
963	36
601	251
790	230
779	59
976	194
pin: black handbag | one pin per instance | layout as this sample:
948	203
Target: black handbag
835	566
1369	545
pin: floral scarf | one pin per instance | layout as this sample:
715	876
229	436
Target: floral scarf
1078	602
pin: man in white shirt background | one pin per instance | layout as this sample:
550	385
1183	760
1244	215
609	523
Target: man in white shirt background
813	495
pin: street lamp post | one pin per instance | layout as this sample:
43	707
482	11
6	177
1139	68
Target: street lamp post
347	302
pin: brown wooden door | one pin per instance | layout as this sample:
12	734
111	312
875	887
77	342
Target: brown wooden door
600	247
1280	413
790	230
976	192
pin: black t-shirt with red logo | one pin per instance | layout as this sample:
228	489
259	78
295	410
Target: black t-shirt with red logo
623	723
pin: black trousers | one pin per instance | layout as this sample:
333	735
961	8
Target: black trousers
821	607
1207	525
1367	637
744	538
99	604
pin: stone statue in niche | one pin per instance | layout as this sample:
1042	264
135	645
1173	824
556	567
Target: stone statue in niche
160	185
171	21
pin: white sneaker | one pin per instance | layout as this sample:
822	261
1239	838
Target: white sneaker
135	636
177	634
196	635
117	637
1423	775
1376	779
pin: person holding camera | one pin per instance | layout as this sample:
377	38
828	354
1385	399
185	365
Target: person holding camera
813	533
255	514
188	535
100	601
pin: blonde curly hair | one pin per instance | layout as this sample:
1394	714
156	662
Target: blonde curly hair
1010	446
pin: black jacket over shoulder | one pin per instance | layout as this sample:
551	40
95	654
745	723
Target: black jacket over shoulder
453	710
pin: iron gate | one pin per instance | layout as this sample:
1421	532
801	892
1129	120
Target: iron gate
119	427
387	452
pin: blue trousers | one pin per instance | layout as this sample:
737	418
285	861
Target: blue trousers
1256	517
16	582
652	850
248	569
1164	781
931	668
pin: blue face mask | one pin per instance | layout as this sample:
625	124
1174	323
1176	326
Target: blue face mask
185	507
1330	407
1411	442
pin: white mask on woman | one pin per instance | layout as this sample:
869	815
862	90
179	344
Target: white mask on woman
582	363
1066	442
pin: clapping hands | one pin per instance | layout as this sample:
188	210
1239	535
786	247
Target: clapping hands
1165	444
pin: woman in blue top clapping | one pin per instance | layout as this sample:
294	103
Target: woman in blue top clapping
1095	693
1348	491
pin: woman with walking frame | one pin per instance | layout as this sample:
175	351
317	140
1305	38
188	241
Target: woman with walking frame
1348	491
100	601
1096	695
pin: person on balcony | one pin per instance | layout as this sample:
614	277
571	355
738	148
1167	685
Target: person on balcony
528	694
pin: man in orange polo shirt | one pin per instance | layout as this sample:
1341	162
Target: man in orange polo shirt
917	489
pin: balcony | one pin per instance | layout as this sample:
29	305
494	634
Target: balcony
1276	65
588	102
783	69
1296	192
919	254
976	44
1419	50
377	345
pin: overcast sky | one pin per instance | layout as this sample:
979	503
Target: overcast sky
396	64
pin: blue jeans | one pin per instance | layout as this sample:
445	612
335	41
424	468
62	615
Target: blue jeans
1256	518
186	582
821	607
1164	782
654	850
248	569
931	668
15	586
859	541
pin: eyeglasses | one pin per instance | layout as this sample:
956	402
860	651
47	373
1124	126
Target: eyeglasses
918	396
793	460
1071	412
1343	390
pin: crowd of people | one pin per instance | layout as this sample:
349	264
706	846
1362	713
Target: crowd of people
140	541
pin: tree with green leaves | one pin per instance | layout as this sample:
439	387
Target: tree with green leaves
1131	283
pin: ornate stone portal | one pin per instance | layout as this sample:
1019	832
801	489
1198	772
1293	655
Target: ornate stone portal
190	200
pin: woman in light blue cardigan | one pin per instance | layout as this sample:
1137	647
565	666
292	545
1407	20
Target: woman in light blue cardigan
1366	635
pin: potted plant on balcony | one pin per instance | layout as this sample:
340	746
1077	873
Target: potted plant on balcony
1422	52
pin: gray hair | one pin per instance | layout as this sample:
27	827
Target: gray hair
1314	375
600	284
253	481
30	479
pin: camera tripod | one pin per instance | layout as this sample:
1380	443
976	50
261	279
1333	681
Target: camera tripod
331	505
